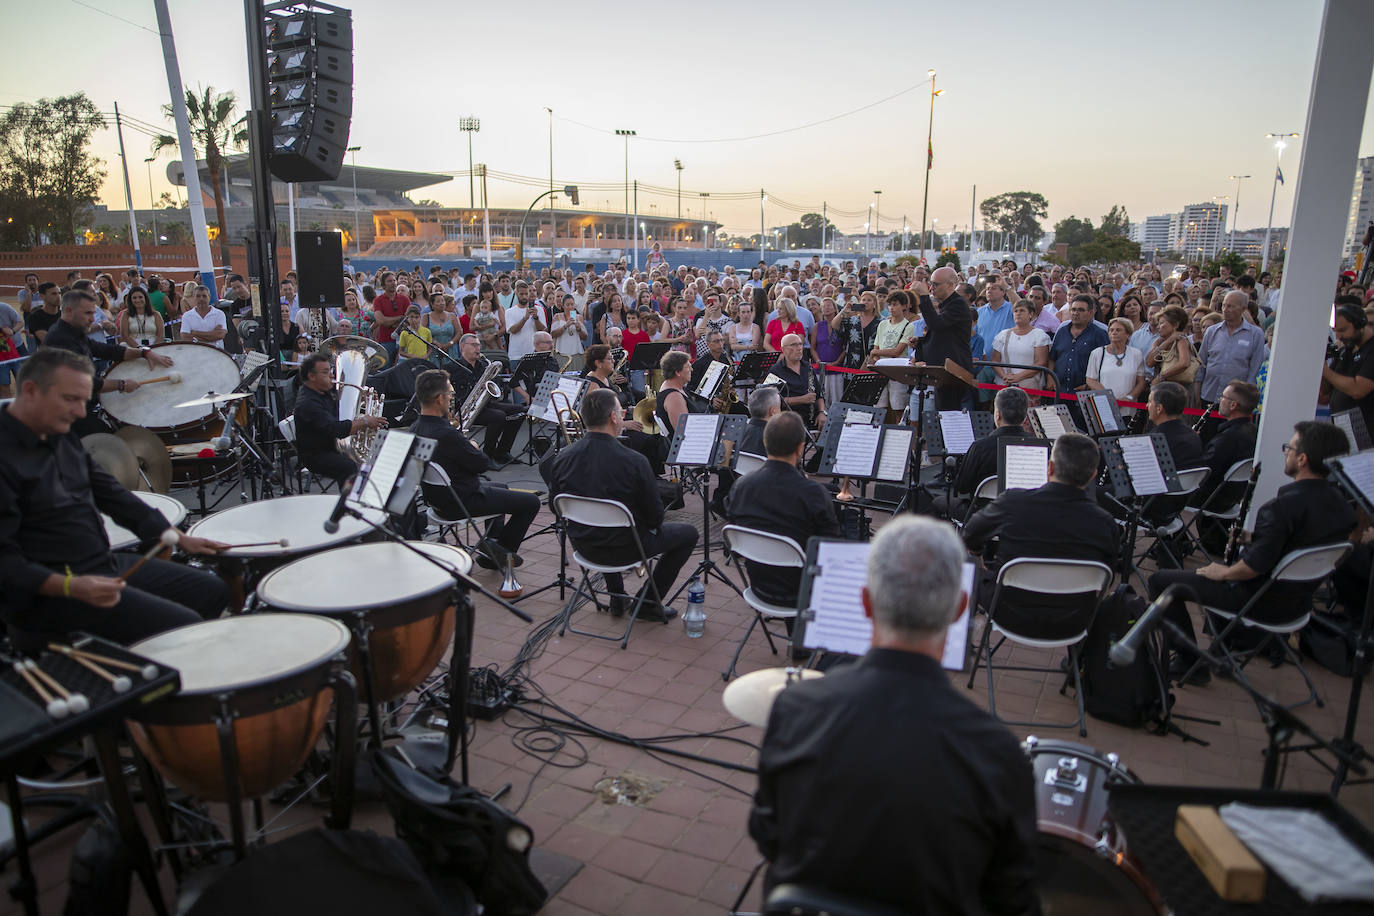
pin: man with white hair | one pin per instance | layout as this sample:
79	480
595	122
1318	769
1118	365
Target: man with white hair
954	825
949	327
1230	350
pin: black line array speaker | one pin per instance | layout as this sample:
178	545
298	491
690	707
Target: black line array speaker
310	82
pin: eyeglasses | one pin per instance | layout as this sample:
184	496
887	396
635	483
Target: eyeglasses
1287	447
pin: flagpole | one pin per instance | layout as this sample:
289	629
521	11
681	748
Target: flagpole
930	159
1280	141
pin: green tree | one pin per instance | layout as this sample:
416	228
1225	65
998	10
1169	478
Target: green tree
1105	249
1017	212
48	177
948	256
1231	260
216	128
806	232
1116	222
1073	231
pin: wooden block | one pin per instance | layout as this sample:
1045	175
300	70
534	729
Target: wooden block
1233	872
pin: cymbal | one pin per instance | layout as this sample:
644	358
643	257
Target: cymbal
373	352
151	454
750	697
211	399
114	455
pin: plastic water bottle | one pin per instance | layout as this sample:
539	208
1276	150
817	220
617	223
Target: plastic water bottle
695	618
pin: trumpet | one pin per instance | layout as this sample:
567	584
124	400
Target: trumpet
569	421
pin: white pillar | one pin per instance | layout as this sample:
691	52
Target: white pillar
291	220
128	196
1330	146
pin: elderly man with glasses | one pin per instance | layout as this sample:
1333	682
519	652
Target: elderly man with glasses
801	393
949	327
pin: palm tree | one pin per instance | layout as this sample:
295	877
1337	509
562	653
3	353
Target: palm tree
214	131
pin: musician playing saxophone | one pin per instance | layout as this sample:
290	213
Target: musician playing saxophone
468	495
501	420
1308	512
318	427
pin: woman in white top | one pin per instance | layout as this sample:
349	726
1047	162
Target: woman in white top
1021	343
1118	367
744	334
139	324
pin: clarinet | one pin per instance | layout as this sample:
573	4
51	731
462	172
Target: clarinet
1233	540
1206	409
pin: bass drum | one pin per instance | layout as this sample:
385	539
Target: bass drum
202	369
1086	868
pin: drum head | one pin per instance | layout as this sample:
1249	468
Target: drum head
122	538
236	652
361	577
298	519
202	368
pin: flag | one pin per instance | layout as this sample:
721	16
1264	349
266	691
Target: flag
1278	174
930	155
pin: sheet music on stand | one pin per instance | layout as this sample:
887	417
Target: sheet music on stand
1022	463
712	379
894	454
393	471
832	617
973	426
1351	422
1102	414
839	414
253	361
542	406
1139	465
1052	421
707	440
1355	473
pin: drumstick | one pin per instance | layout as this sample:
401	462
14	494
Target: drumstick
118	682
169	539
284	542
76	701
58	709
148	671
173	377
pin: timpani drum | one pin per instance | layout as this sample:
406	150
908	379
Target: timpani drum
122	538
262	676
399	606
1085	867
202	368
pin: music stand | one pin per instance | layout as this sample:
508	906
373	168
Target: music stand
647	355
531	368
1355	475
712	378
754	366
1351	422
862	388
706	441
1050	421
1102	414
919	377
1022	463
1136	472
541	404
968	428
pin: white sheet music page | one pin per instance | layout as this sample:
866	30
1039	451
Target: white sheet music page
711	378
1104	412
956	636
893	457
858	446
839	624
1343	422
1143	464
1050	422
957	429
1359	470
1028	467
386	467
698	438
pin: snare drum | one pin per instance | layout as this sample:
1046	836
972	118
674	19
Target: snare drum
202	367
399	605
122	538
1084	863
266	675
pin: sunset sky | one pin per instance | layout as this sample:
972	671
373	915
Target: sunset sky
1147	105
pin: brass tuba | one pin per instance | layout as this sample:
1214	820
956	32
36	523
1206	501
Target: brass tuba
356	400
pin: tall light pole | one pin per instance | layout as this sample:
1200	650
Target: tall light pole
470	126
763	199
930	156
627	134
1235	213
1280	142
1216	242
677	164
357	226
151	206
878	218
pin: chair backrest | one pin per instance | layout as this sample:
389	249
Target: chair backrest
764	547
987	488
435	475
1191	479
748	463
1049	576
1308	564
594	513
288	428
1240	471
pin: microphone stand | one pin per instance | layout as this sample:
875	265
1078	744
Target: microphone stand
461	660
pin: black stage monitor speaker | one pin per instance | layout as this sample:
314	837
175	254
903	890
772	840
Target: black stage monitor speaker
319	267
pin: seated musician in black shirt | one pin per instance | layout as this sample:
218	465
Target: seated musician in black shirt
464	464
837	806
1308	512
1009	411
599	368
57	575
802	393
672	403
600	467
764	404
502	420
779	499
1059	520
318	427
1166	403
1233	441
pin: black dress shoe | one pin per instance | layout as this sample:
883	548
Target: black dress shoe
491	555
617	605
1178	667
654	612
503	458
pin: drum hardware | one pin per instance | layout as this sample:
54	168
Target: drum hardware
154	463
114	455
167	541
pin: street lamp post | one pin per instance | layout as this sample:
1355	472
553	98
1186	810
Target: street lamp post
878	219
151	206
570	190
627	134
930	157
1280	142
470	126
763	199
1235	213
677	164
357	226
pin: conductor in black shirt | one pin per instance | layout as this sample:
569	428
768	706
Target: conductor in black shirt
942	818
318	427
949	327
464	463
600	467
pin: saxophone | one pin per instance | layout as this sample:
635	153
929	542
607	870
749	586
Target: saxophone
484	390
315	327
356	400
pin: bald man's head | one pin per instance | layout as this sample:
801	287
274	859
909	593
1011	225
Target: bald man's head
942	282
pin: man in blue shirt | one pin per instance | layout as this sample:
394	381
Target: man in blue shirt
1074	341
1234	349
995	317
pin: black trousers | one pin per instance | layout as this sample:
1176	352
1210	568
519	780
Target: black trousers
1228	596
335	465
502	422
159	596
673	543
496	499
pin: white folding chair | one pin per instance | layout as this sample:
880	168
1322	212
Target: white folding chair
436	476
1208	513
766	549
748	462
603	513
988	489
1083	583
1189	479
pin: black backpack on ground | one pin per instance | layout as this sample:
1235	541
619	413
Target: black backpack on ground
1133	695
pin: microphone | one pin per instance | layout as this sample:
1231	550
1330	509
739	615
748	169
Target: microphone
1123	652
340	507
